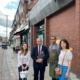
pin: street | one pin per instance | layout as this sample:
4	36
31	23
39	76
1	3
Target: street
9	69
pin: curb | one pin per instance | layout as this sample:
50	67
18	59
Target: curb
73	77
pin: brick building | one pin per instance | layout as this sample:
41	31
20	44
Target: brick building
18	26
61	19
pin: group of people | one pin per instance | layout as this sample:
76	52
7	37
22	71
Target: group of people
53	56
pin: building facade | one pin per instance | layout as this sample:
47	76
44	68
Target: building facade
21	21
61	20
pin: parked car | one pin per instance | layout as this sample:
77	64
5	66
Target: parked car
0	44
7	44
4	45
17	47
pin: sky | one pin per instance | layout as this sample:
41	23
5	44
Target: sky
7	7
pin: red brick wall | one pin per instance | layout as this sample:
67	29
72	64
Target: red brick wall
46	32
32	4
78	36
33	28
25	7
34	35
63	24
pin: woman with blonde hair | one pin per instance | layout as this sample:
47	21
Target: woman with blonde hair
23	59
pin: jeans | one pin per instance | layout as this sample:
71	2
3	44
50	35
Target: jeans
64	70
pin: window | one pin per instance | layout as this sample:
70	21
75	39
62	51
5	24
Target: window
40	28
40	32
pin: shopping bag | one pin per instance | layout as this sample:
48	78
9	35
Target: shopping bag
24	74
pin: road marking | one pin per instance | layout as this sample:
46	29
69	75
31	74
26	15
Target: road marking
12	74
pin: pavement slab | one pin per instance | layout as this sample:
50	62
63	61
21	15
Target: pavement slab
10	69
1	61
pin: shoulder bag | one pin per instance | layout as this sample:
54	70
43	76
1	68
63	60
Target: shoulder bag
59	70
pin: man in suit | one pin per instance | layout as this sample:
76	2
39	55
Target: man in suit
41	63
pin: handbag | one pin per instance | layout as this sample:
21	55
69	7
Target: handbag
59	70
24	74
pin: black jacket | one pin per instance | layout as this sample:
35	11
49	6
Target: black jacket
35	54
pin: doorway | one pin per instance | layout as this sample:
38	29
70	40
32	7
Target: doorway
40	33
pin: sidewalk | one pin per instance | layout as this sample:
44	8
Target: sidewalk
9	65
1	59
10	70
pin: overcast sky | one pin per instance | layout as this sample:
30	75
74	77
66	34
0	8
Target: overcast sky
7	7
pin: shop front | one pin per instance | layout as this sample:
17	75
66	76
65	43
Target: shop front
61	19
23	32
42	14
45	8
40	33
16	43
24	36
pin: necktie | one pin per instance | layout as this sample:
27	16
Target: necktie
39	50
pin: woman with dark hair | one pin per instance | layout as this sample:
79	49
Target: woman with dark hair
65	59
23	59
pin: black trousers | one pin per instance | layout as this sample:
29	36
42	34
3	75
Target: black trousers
20	69
36	73
54	79
13	48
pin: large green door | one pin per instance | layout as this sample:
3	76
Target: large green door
40	33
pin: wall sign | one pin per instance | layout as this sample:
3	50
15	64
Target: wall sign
24	21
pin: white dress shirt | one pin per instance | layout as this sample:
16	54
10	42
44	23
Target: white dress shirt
23	59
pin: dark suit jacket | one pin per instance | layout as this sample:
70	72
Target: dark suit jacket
35	54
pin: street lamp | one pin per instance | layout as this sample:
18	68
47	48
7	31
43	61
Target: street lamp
6	27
